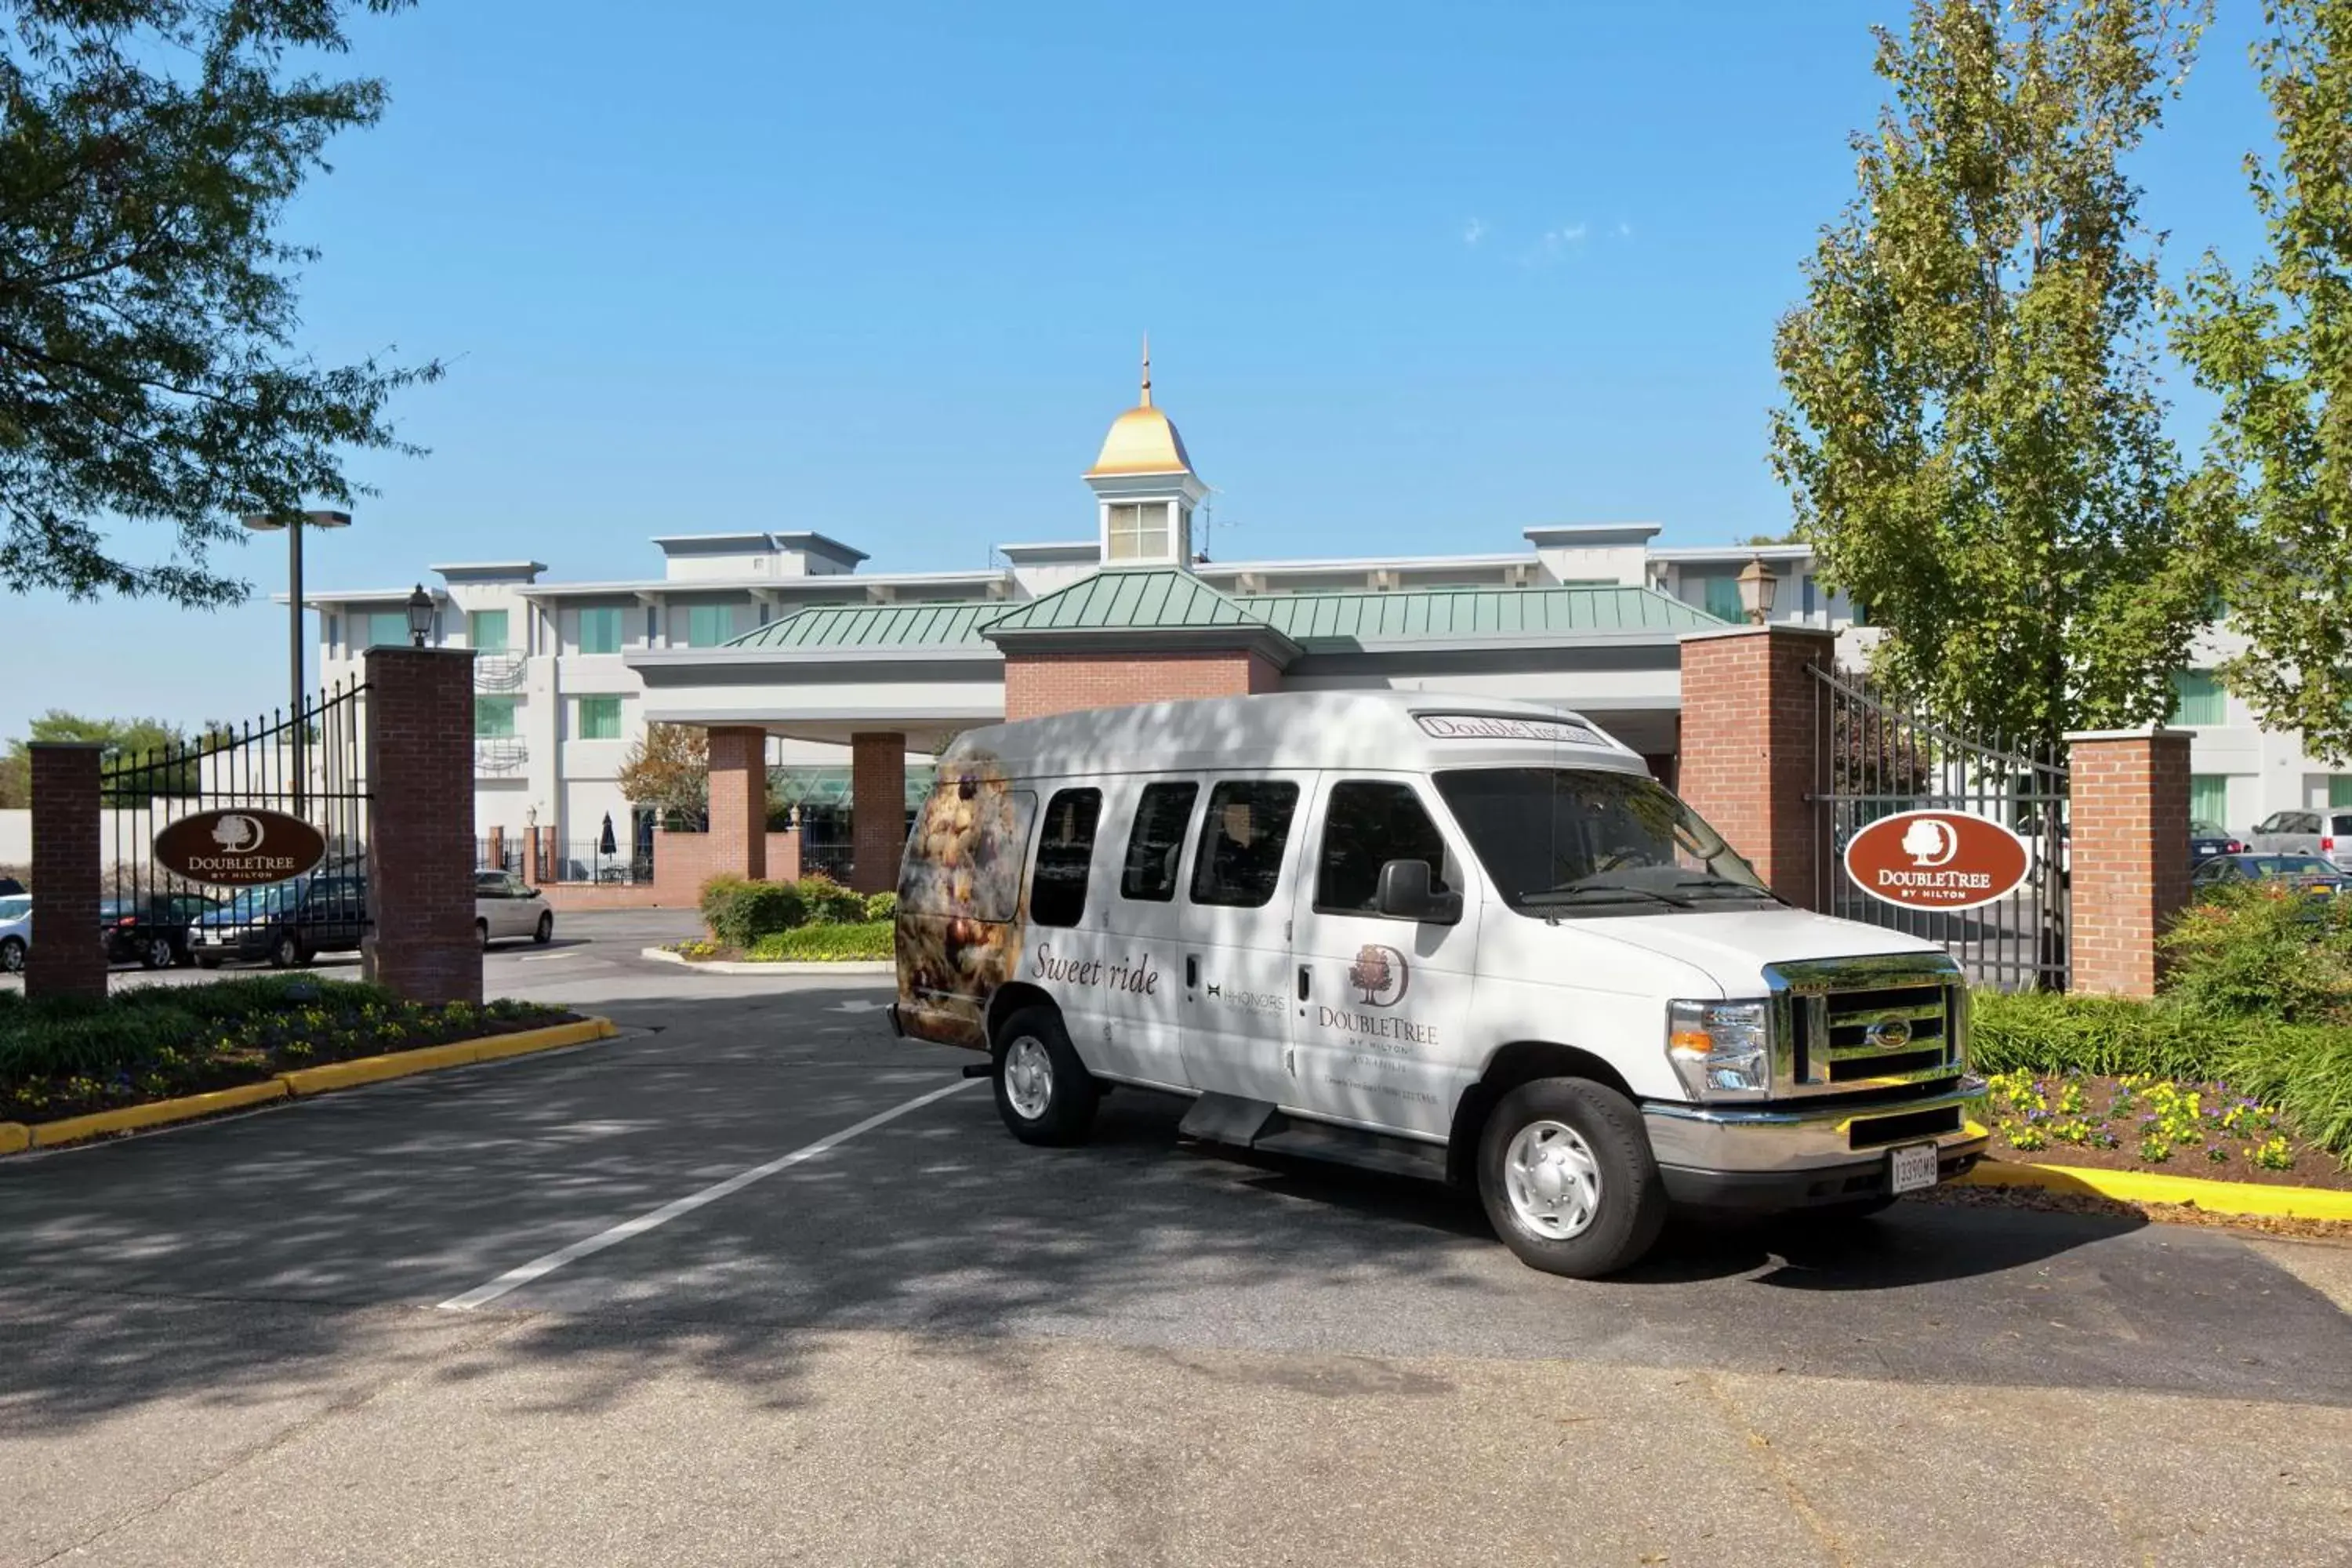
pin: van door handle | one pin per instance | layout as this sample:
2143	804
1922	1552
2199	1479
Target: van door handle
1306	981
1192	972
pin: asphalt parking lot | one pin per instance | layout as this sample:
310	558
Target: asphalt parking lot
759	1283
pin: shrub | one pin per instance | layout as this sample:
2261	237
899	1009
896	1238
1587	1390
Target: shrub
827	943
2256	952
829	902
882	907
741	912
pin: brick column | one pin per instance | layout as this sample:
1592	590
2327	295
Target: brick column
66	959
877	810
1751	762
498	849
420	854
739	801
2128	804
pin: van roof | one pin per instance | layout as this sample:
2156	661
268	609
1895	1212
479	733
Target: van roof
1397	731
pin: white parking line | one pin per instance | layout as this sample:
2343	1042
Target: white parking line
540	1266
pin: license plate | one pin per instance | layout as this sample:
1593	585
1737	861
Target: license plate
1911	1168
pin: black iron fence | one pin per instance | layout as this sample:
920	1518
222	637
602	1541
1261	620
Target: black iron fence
308	764
1887	755
589	861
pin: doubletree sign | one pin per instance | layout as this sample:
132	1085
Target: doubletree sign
1937	860
239	847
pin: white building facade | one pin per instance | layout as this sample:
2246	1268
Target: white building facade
757	627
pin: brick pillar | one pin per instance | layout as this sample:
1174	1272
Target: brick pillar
498	849
66	959
1751	762
420	853
739	801
877	810
2128	804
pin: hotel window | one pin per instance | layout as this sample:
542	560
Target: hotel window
494	718
485	631
597	719
386	628
600	630
1139	530
708	626
2339	790
1716	593
2208	798
2197	699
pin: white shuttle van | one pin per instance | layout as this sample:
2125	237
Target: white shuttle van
1443	935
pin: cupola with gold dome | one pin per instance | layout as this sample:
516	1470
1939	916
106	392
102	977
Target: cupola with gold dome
1143	481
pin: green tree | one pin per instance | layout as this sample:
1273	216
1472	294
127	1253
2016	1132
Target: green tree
669	768
147	315
120	740
1972	436
2275	346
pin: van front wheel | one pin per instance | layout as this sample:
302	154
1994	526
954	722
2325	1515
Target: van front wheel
1567	1179
1043	1091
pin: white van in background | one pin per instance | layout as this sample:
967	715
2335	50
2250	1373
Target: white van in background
1443	935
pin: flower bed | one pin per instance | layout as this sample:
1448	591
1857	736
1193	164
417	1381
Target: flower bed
2156	1124
60	1059
858	942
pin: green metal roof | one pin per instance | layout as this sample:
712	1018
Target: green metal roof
1159	598
955	624
1462	613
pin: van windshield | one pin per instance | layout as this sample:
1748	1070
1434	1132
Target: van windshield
1573	841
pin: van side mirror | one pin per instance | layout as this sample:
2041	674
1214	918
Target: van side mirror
1405	894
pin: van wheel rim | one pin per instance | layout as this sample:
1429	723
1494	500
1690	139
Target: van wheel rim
1552	1179
1028	1077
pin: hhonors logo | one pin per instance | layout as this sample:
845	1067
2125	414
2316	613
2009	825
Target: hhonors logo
1380	975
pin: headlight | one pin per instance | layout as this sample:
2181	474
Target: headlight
1721	1050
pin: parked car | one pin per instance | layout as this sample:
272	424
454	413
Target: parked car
2328	833
16	931
506	907
289	923
153	930
2311	873
10	888
2206	840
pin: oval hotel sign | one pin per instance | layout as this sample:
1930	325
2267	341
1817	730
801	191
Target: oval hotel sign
1937	860
239	847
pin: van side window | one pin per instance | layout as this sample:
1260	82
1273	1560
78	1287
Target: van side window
1242	840
1157	842
1368	825
1065	849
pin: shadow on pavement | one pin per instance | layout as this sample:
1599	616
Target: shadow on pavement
230	1262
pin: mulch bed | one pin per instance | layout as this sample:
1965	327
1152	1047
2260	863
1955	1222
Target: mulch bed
2126	1114
221	1037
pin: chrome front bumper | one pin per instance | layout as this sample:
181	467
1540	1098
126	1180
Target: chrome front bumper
1784	1136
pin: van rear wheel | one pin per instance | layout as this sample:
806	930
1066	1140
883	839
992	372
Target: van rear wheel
1043	1091
1567	1178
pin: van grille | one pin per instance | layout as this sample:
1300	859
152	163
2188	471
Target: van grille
1852	1026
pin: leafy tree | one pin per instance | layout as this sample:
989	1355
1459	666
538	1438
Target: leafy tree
134	740
147	372
1971	435
2276	347
669	768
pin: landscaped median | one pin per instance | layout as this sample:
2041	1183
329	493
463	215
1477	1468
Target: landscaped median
813	926
159	1054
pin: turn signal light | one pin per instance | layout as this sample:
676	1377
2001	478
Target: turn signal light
1697	1042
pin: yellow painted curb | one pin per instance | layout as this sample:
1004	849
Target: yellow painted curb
98	1123
432	1059
2150	1187
302	1082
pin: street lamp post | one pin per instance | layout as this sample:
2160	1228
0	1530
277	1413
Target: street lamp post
293	522
1757	582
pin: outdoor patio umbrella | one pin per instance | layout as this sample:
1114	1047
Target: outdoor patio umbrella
605	846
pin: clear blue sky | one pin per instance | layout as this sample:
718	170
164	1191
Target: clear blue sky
1417	277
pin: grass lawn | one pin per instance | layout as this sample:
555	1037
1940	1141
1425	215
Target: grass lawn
157	1042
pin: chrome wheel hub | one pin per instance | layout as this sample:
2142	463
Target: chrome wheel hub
1028	1077
1552	1179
